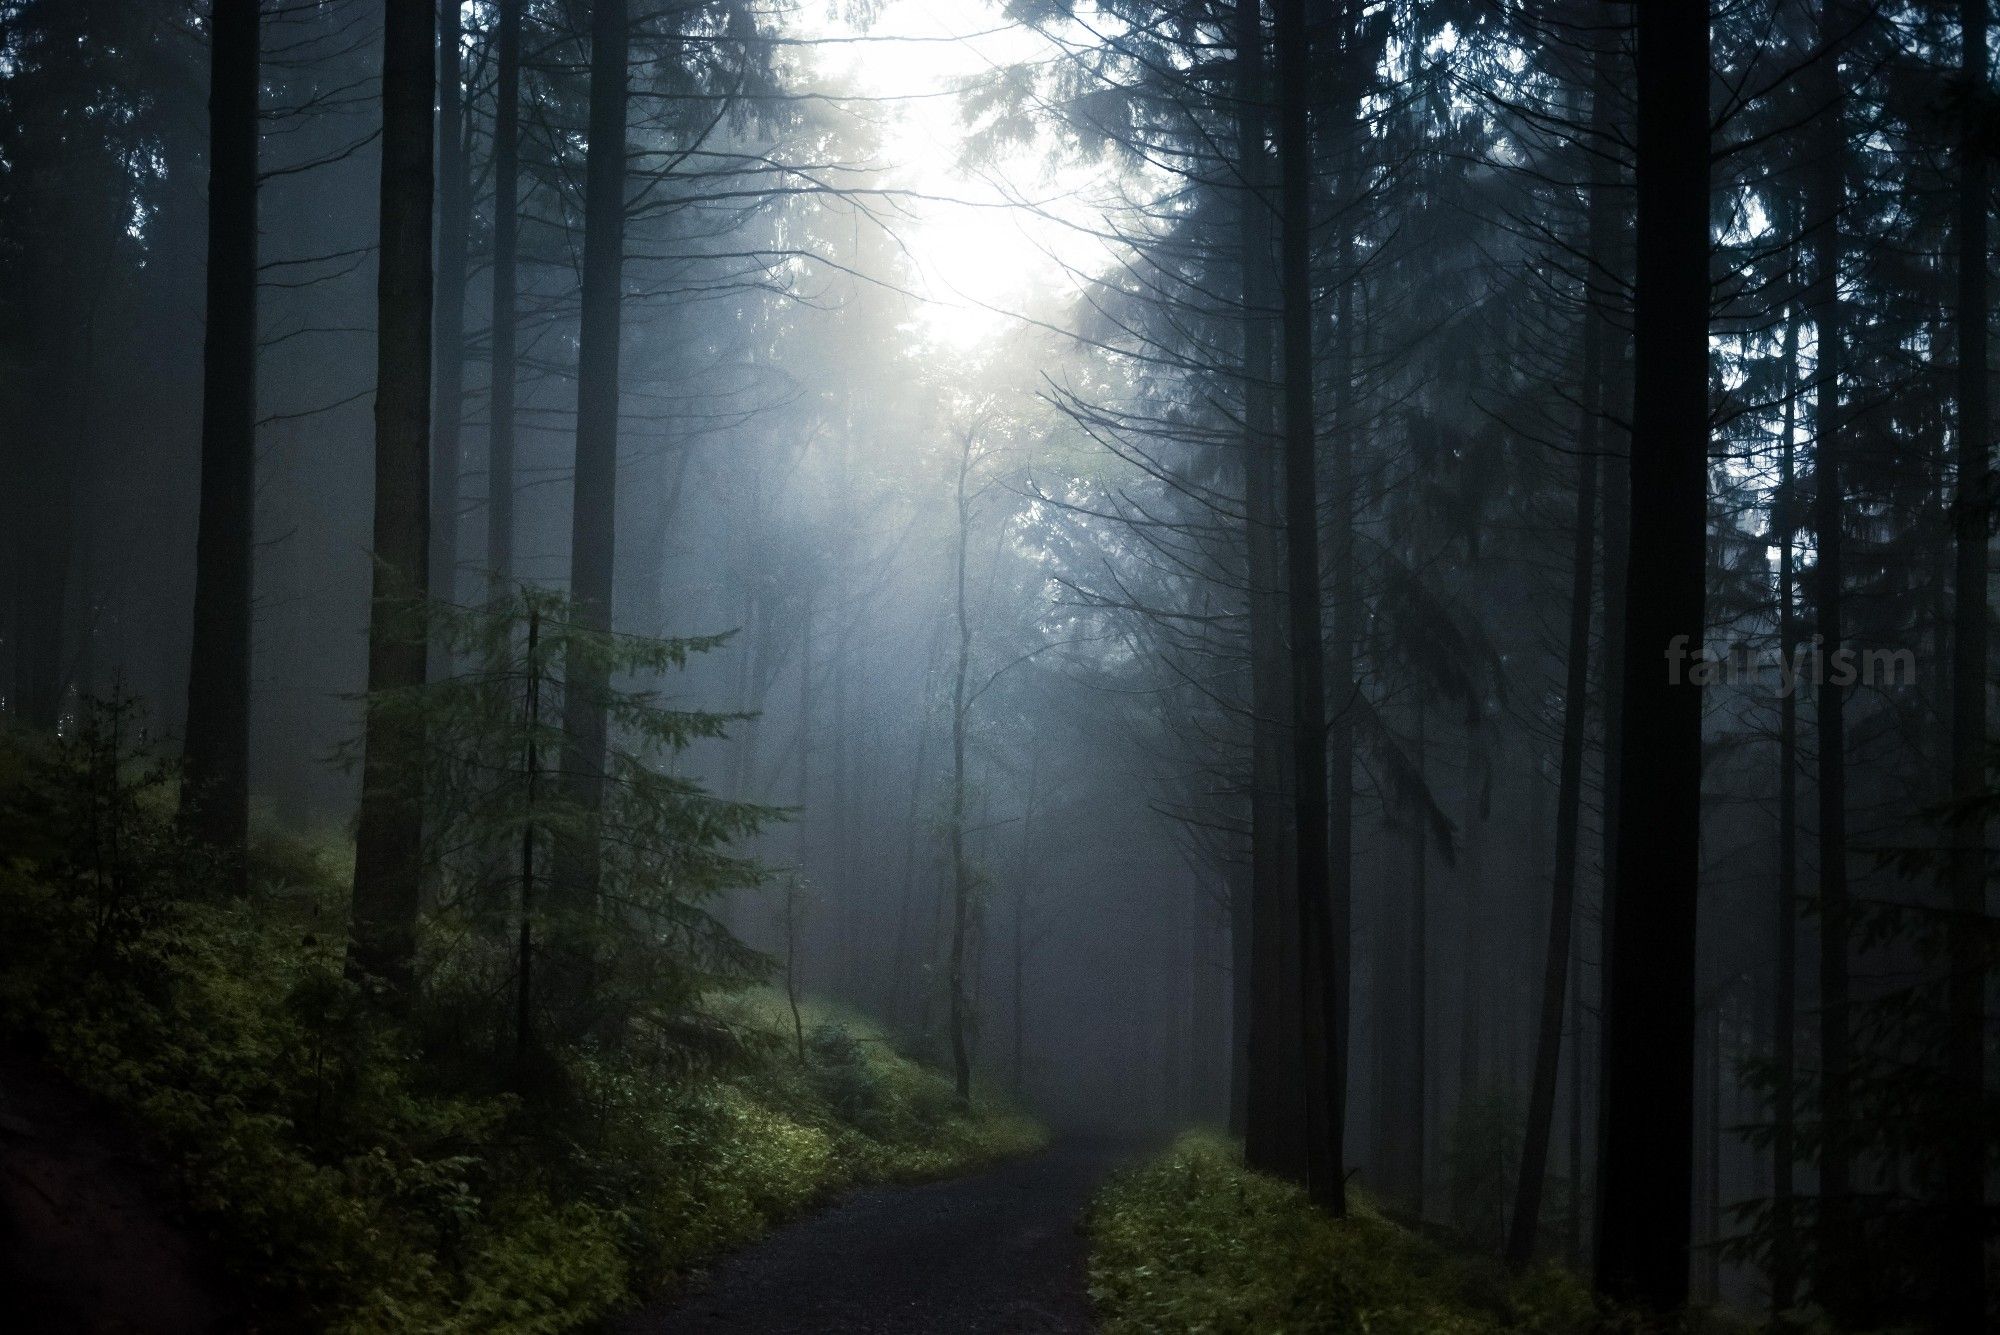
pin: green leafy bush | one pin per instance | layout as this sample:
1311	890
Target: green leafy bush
345	1176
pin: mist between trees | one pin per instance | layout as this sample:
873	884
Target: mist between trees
1146	530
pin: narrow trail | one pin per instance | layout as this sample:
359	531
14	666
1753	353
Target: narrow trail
998	1253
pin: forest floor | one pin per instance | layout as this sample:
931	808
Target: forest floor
999	1252
89	1240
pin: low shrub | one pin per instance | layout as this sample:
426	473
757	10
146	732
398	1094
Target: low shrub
349	1179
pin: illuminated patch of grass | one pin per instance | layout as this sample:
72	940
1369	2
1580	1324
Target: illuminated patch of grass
1194	1242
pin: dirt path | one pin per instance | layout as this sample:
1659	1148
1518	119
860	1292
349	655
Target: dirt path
88	1241
1000	1253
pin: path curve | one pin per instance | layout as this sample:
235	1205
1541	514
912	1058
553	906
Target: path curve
997	1253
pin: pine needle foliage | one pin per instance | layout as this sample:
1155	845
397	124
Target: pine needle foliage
626	961
1906	1109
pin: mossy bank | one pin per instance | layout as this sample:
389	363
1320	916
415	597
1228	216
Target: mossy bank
1193	1242
349	1174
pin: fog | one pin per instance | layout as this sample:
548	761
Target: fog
940	403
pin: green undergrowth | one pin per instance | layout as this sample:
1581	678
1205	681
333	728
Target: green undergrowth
1194	1242
349	1179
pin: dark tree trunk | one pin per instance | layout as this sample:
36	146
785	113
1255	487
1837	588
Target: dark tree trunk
388	841
1616	510
48	541
1573	1226
1417	1123
1827	187
1399	1019
1242	886
524	979
1473	928
43	555
453	225
1274	1114
1711	1158
1340	667
1322	1010
1962	1290
506	249
1558	964
215	791
594	506
960	1015
901	965
1649	1010
1615	513
1569	802
1018	1012
1018	926
1784	983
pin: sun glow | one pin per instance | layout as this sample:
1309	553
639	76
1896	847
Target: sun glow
985	244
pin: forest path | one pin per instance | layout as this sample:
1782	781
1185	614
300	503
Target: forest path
997	1253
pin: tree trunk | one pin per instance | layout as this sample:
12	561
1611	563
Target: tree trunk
1018	924
215	786
1399	1020
49	548
1615	512
1569	802
48	542
1573	1226
1322	1010
1274	1110
1827	187
454	224
1340	666
901	965
594	499
1417	1126
1961	1290
1019	1010
1558	964
1784	986
524	996
1474	929
506	251
961	873
1242	888
1649	1014
802	825
1711	1158
43	554
388	841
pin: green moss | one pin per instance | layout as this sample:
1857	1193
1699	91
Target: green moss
353	1182
701	1166
1195	1242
